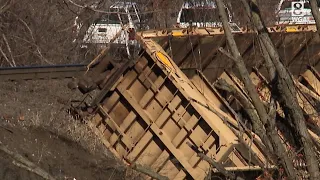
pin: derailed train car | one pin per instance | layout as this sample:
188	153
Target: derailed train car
153	111
155	116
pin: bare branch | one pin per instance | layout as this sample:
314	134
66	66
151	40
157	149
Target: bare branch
79	6
215	164
269	65
146	171
305	90
23	162
105	50
241	66
287	92
6	6
105	12
238	134
315	13
33	39
250	88
249	108
226	53
5	57
9	49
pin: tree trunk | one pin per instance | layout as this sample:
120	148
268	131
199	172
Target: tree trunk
269	65
242	130
315	13
24	163
258	127
215	164
250	88
286	88
148	171
219	167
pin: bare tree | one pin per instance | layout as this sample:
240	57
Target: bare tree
315	12
24	163
263	123
286	90
38	33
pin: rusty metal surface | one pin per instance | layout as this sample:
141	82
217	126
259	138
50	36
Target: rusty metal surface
198	49
149	109
305	100
154	110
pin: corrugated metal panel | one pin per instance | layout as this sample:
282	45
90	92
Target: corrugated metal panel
149	110
155	110
197	48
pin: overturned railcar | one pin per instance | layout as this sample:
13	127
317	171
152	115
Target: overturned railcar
155	116
161	110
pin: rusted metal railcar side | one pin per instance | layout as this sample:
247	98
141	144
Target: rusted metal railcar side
154	111
159	109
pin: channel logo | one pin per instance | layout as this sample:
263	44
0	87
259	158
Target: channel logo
298	9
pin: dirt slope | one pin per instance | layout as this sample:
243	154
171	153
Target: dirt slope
58	155
34	123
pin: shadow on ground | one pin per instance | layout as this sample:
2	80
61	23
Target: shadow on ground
58	155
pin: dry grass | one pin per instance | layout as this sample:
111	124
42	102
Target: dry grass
67	127
35	104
